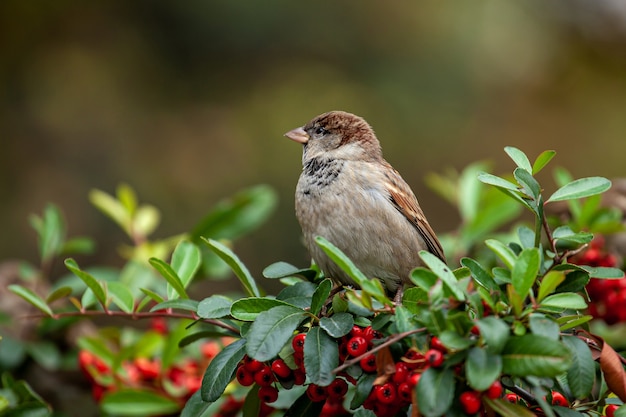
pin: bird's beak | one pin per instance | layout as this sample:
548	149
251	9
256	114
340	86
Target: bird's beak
299	135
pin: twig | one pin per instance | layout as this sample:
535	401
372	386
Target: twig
393	339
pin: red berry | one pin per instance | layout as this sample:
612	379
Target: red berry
252	365
512	398
368	363
402	372
298	358
475	330
298	342
338	388
356	331
386	393
434	358
413	378
264	377
435	343
610	410
280	368
244	377
357	346
559	399
316	393
414	359
494	391
268	394
470	401
405	392
299	377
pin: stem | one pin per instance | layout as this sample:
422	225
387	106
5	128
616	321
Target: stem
137	316
392	339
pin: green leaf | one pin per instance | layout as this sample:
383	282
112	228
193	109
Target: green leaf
88	279
519	157
195	407
304	407
497	182
363	388
495	332
337	325
534	355
186	260
549	283
280	270
237	215
604	272
453	340
581	374
78	245
469	191
271	330
529	184
214	307
112	208
320	296
542	160
444	273
152	295
565	300
221	370
525	271
58	294
177	303
568	322
435	391
46	354
504	408
121	296
565	233
482	368
170	276
480	275
321	356
248	309
128	402
240	270
145	220
583	187
503	252
31	297
544	326
50	232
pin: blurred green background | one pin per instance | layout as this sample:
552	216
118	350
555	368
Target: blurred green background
188	101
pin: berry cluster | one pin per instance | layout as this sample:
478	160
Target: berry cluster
608	296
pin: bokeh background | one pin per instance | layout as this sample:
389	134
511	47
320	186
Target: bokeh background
187	101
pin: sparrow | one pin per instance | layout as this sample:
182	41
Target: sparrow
350	195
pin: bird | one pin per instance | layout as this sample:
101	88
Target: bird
350	195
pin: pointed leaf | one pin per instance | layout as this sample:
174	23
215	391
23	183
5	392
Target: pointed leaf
549	283
304	407
583	187
214	307
497	181
121	295
435	391
240	270
519	157
186	260
130	402
503	252
444	273
221	370
528	183
178	304
494	331
271	330
321	356
152	295
280	270
525	271
581	374
507	409
59	293
248	309
337	325
320	296
31	297
533	355
88	279
480	275
170	276
542	160
482	368
565	300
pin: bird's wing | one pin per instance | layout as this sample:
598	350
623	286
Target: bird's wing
405	202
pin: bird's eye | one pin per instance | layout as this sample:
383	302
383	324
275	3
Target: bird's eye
320	131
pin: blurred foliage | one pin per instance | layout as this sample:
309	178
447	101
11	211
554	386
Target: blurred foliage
189	100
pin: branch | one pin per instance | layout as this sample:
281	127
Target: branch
393	339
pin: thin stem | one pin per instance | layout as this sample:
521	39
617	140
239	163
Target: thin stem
393	339
138	316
